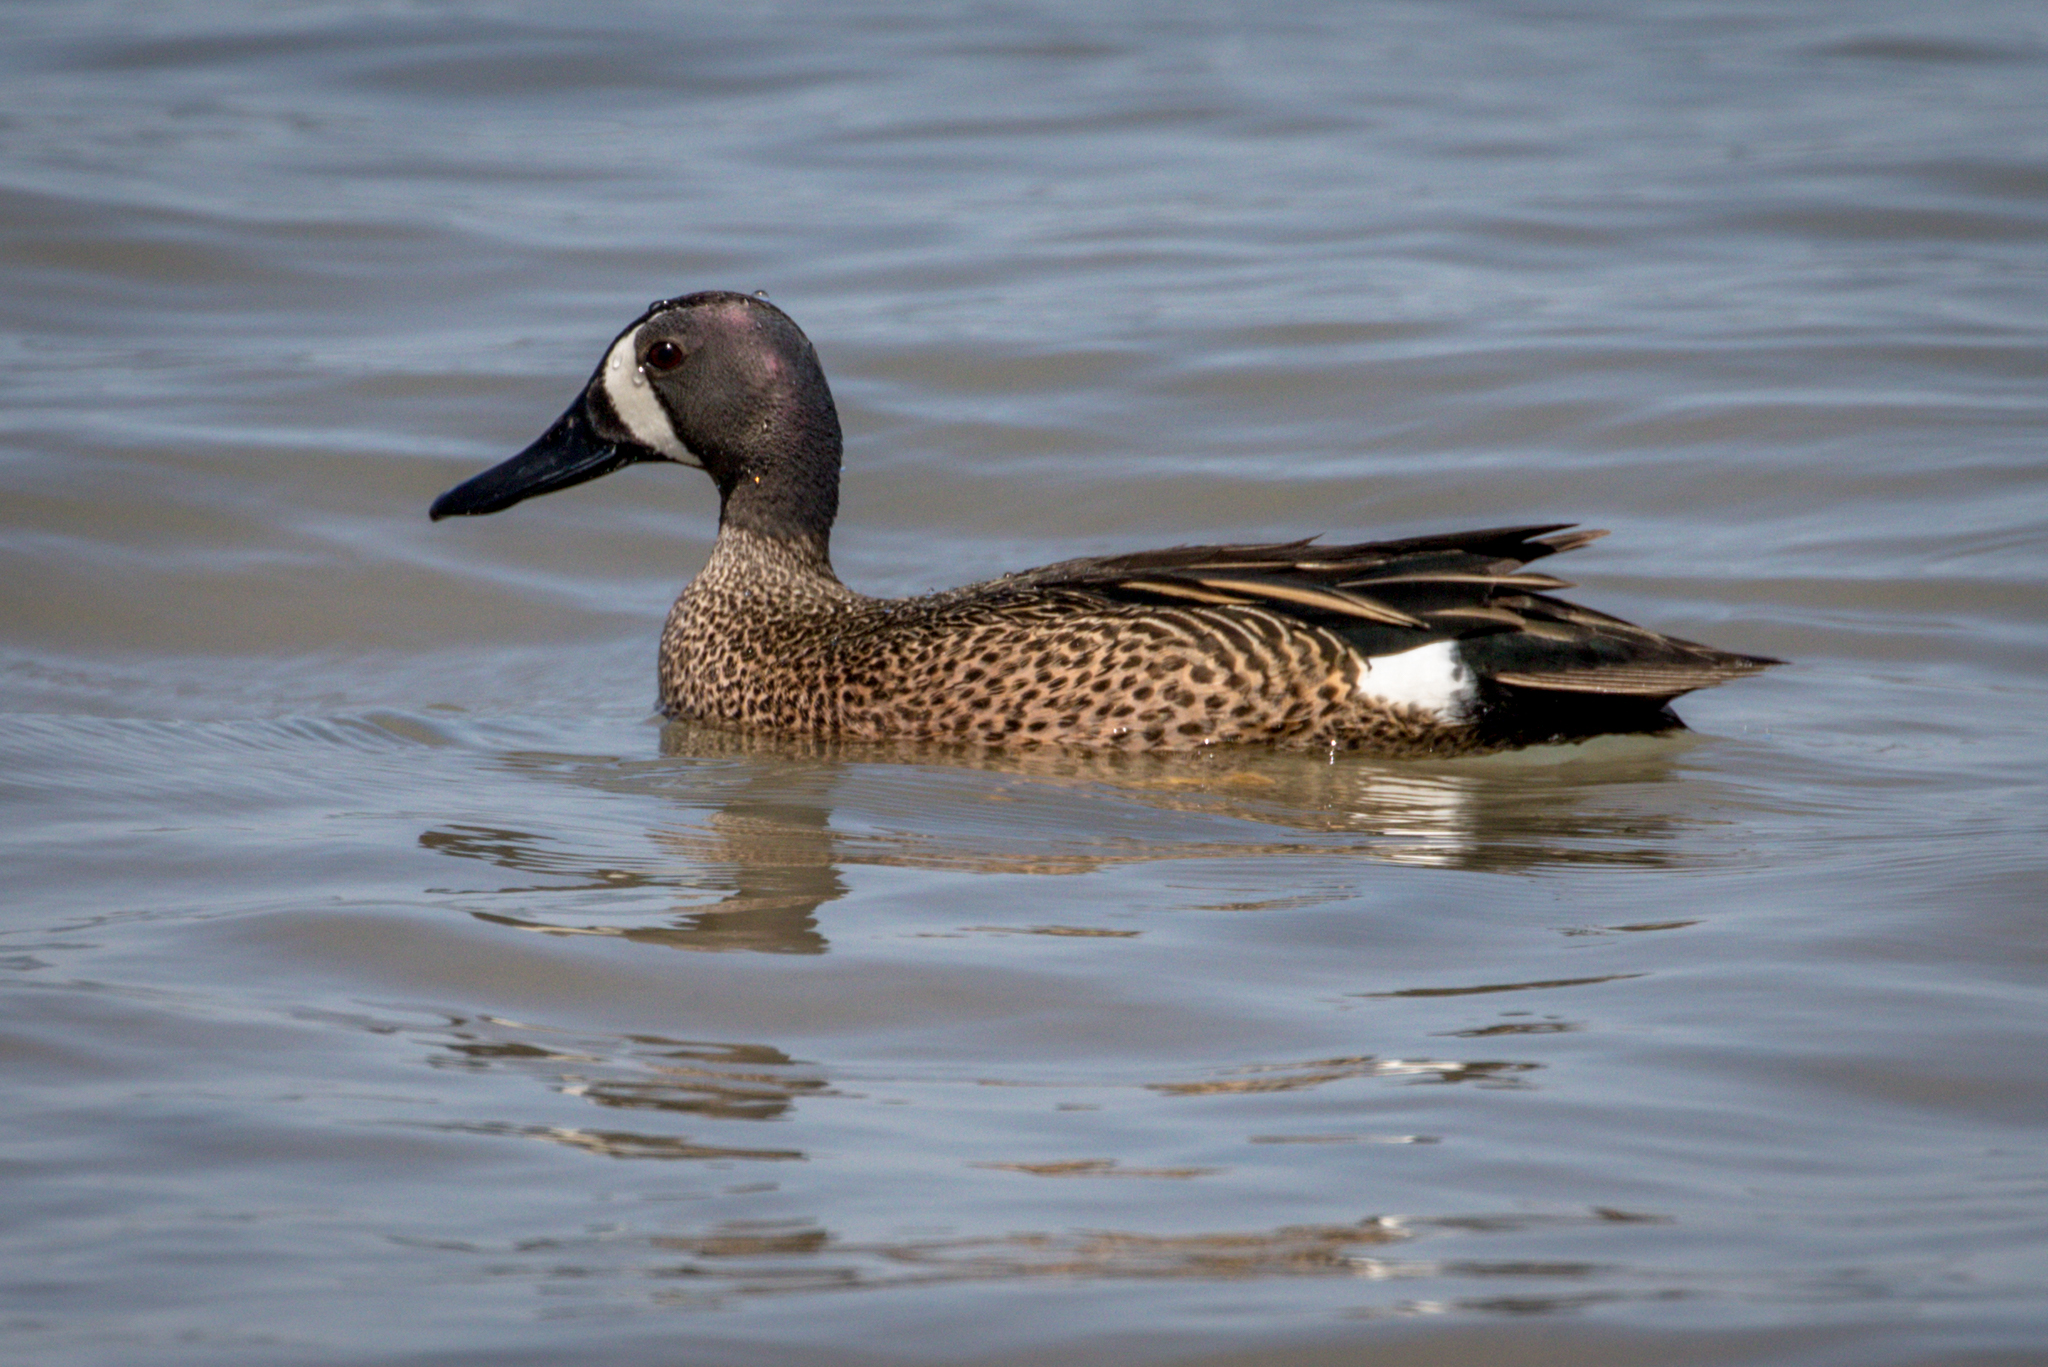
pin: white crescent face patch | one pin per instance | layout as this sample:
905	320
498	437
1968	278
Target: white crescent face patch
632	398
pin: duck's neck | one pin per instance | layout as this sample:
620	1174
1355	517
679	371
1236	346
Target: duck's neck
782	489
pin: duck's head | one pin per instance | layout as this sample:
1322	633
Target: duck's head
719	380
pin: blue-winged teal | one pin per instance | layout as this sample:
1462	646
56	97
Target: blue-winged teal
1430	645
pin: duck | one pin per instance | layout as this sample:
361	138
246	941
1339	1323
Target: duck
1426	646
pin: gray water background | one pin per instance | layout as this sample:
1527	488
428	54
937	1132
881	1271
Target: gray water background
386	985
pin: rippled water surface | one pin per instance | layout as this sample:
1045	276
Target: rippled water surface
386	985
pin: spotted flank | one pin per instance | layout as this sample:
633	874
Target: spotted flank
1433	645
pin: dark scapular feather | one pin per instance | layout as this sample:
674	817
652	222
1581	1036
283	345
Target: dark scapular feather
1384	597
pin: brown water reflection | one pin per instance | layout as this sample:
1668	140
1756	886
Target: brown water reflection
696	1080
742	841
771	851
692	1078
778	856
750	1258
628	1143
1509	813
1291	1077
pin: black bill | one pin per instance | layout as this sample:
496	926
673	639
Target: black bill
568	453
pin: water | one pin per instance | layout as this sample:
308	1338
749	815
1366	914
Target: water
388	986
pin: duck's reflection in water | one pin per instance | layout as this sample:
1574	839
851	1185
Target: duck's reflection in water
744	1259
765	1257
656	1080
723	1091
1505	813
735	843
768	843
752	874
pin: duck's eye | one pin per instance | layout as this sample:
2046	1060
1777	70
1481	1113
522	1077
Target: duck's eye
663	355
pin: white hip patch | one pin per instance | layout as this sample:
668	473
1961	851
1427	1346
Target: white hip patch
1433	678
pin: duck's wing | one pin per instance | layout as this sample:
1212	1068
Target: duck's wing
1385	597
